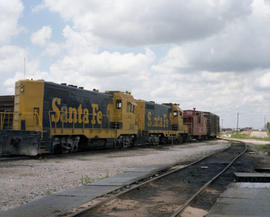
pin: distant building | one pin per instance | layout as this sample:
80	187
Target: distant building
246	129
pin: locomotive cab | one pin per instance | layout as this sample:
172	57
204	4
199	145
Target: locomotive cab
176	117
122	117
23	136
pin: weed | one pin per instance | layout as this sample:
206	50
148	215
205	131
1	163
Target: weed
263	148
85	180
106	176
48	192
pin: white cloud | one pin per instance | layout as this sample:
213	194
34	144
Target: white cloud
53	49
104	70
240	47
143	22
12	63
41	36
10	12
264	80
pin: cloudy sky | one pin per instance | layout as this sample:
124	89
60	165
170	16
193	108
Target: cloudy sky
210	54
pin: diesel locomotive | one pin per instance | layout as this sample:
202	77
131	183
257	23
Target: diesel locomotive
45	117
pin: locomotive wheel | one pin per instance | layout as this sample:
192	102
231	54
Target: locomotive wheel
187	138
164	140
180	139
65	144
126	142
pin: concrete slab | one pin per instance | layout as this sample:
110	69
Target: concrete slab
252	177
123	179
152	168
243	200
59	203
252	174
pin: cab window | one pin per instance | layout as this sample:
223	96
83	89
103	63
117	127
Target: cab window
175	113
118	104
132	108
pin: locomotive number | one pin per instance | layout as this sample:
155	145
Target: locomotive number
75	115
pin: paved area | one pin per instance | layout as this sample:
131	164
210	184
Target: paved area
243	200
64	202
23	181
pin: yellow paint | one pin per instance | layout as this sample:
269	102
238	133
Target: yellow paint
159	121
28	104
74	115
126	115
178	120
140	114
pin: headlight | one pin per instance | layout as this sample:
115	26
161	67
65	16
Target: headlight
21	88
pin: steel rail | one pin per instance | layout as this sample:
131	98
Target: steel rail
98	204
8	158
182	207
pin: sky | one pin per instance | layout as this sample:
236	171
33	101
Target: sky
212	55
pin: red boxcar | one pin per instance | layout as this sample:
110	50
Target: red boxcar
197	123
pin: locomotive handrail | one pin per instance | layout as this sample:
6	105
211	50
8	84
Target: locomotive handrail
3	118
9	118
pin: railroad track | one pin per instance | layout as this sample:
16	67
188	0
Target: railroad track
14	158
164	194
93	151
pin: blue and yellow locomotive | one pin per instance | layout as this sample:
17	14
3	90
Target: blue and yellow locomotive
51	118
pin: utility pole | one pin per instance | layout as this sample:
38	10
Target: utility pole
237	122
222	124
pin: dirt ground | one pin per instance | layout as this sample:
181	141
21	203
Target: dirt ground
252	141
25	180
163	196
259	134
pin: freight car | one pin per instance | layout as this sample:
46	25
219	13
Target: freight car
52	118
201	125
197	124
212	124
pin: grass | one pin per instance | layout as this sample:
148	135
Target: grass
48	192
106	176
85	180
243	136
263	148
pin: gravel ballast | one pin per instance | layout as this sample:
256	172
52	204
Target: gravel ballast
23	181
